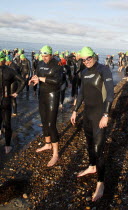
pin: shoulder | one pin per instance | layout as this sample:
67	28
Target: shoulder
54	62
103	68
9	70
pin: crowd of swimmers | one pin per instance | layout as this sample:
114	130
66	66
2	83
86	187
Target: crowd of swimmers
51	74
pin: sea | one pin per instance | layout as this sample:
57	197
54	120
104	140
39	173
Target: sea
103	52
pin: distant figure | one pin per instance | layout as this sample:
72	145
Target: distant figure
14	85
25	69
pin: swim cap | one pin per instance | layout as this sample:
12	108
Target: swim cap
22	56
7	58
2	56
87	51
7	51
61	56
19	52
46	50
67	53
56	53
36	55
40	57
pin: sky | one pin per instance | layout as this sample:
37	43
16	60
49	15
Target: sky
95	23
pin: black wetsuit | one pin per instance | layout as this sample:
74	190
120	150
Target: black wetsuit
7	77
64	85
126	71
97	93
80	68
34	67
25	69
14	87
16	60
49	94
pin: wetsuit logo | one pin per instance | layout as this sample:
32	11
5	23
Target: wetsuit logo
90	76
109	79
45	69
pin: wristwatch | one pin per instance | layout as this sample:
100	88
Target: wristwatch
105	115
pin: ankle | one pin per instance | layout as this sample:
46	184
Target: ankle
100	183
48	144
56	155
92	167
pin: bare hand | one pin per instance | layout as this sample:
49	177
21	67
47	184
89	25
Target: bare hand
73	118
14	95
103	122
34	80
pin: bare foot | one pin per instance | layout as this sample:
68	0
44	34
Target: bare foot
89	170
53	161
99	191
14	114
8	149
40	125
45	147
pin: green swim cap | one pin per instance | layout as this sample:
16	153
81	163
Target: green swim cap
61	56
40	57
127	53
56	53
22	56
67	53
2	56
87	51
7	58
46	50
36	55
20	52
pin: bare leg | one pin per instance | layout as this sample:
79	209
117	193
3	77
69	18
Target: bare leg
99	191
89	170
55	156
47	145
74	102
8	149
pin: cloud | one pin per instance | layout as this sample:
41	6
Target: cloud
117	4
43	26
27	28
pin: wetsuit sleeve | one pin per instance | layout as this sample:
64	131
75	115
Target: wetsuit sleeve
109	86
29	68
80	98
22	82
56	77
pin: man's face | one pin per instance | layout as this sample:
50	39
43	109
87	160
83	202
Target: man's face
89	61
46	58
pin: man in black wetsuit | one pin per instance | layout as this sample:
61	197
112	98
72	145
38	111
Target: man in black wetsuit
48	76
14	85
7	77
25	69
35	62
16	58
97	93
